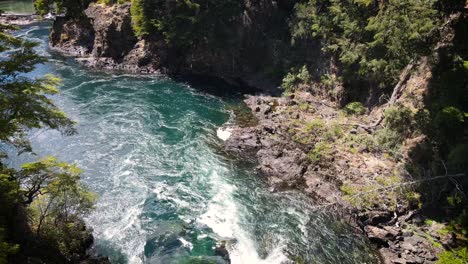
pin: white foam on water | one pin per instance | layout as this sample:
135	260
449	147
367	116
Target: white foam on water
223	217
224	133
185	243
117	144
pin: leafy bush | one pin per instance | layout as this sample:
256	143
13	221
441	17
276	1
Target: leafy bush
449	124
42	6
26	105
389	140
140	21
330	80
185	23
56	212
457	256
321	151
355	108
294	78
72	8
399	119
357	32
457	159
6	248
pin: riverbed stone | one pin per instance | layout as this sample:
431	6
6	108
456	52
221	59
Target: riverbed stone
377	234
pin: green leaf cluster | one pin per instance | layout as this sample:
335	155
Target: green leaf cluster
186	22
72	8
46	195
373	40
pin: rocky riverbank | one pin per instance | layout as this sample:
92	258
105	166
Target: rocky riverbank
104	39
303	140
400	233
19	19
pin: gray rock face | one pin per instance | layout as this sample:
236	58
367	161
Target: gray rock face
378	235
285	165
281	162
114	37
106	38
75	38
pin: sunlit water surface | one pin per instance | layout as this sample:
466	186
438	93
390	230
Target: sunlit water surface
17	6
148	147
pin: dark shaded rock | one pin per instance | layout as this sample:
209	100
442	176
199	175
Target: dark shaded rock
408	246
18	19
377	217
392	230
73	37
430	256
407	233
378	235
288	165
221	251
114	37
399	261
449	240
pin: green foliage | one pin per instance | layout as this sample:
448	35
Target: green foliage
140	21
375	39
322	150
8	198
185	23
26	104
72	8
59	204
367	195
458	157
319	134
296	77
42	6
389	140
399	119
330	80
399	123
6	249
457	256
449	124
355	108
362	140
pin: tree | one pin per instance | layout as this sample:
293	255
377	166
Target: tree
375	39
184	23
72	8
25	104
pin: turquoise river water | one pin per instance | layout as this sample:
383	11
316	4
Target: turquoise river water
148	147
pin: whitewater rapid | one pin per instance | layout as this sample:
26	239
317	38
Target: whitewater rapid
151	148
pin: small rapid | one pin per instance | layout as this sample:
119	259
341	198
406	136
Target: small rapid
151	149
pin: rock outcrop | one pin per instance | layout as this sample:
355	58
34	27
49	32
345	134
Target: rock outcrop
18	20
399	233
104	39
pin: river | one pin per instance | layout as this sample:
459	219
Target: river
148	147
17	6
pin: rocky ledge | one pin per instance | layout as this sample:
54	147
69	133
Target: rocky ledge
19	19
400	233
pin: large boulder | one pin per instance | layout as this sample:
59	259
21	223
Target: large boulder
114	37
72	37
